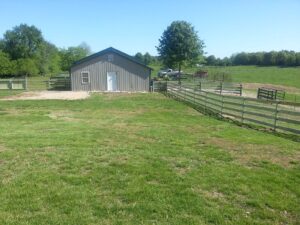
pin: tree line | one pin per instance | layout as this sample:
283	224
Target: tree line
272	58
146	58
24	51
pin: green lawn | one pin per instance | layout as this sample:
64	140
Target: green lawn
4	93
140	159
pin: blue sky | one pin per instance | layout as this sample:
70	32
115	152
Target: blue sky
226	26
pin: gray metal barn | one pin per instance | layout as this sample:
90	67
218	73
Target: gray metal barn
110	70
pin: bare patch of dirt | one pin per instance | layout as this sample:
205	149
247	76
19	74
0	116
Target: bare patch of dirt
181	165
258	85
44	95
213	194
246	154
63	115
2	148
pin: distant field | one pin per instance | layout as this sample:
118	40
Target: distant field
140	159
269	75
288	76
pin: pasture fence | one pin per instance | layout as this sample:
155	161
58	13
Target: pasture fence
270	93
13	84
36	83
273	115
216	86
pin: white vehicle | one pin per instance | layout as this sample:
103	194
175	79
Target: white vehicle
168	72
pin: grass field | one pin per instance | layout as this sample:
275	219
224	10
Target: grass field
287	76
4	93
140	159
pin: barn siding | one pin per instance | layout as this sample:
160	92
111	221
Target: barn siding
130	75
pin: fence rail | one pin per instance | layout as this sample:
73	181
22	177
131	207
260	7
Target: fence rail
52	83
13	84
273	115
216	86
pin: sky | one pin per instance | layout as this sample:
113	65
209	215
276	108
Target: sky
225	26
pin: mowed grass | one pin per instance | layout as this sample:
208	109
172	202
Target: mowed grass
140	159
5	93
286	76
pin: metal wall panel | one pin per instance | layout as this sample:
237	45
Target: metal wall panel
130	75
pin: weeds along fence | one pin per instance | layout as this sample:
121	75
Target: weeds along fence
36	83
273	115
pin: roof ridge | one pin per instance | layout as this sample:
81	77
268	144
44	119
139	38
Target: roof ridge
104	51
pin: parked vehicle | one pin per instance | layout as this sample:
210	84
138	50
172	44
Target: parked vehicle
168	73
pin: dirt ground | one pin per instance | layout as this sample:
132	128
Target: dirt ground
258	85
43	95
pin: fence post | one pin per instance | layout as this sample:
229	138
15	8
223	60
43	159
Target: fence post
10	86
26	83
205	102
243	110
222	106
167	87
200	85
221	87
241	89
275	116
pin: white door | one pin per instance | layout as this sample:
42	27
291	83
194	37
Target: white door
111	81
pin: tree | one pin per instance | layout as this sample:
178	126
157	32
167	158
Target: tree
71	55
282	58
270	58
241	59
147	58
298	59
211	60
26	67
48	59
180	45
6	65
22	41
139	56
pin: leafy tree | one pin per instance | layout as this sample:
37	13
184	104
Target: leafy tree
139	56
298	59
22	41
71	55
227	61
180	45
241	59
282	58
26	67
147	58
270	58
211	60
291	59
48	59
6	65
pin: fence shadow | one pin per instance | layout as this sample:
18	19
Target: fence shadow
266	118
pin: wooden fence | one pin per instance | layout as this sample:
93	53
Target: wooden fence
31	84
273	115
13	84
270	93
215	86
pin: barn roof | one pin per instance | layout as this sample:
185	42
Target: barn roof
110	50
